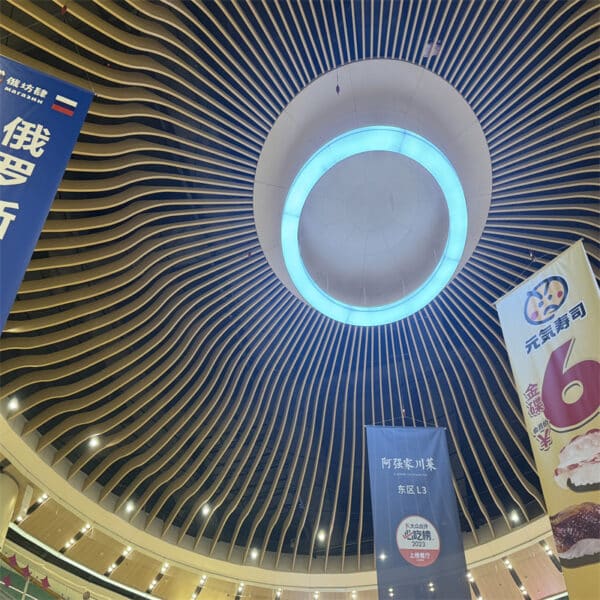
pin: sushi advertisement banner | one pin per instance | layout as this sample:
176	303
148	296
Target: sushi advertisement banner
40	120
551	325
418	543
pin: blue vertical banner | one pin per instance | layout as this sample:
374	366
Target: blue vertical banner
418	542
40	120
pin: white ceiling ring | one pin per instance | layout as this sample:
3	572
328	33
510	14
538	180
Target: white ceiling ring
384	93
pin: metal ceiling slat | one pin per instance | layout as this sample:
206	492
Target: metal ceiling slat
216	425
263	50
357	396
286	61
468	427
314	391
127	403
239	436
464	50
456	357
257	76
307	54
318	520
305	435
258	488
546	57
405	331
351	383
291	376
313	43
449	426
317	25
332	353
419	45
433	39
526	97
476	86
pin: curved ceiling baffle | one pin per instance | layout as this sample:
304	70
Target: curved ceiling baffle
230	413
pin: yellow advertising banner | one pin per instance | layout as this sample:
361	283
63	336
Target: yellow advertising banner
551	325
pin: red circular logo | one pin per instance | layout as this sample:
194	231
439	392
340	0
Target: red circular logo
418	541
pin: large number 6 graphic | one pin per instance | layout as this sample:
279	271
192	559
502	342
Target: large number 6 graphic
559	378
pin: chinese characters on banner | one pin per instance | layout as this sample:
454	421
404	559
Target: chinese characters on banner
40	120
418	543
551	325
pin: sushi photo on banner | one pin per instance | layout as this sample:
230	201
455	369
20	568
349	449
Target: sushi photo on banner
550	324
418	542
40	120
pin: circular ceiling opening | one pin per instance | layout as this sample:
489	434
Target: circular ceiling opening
371	226
374	232
373	235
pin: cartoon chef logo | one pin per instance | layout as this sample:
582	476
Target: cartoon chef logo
545	299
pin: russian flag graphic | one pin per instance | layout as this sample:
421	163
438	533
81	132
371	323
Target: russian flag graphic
64	105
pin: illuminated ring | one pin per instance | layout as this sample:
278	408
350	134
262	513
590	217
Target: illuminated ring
357	141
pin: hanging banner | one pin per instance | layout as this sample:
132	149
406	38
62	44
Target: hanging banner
551	325
418	542
40	120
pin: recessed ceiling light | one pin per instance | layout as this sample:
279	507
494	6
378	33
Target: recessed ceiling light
514	517
254	554
130	506
13	403
321	535
94	441
205	510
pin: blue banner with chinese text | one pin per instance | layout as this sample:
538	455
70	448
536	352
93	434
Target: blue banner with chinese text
40	120
418	542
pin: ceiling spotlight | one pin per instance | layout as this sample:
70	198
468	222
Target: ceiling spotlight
321	536
13	403
254	554
94	441
129	507
205	510
278	593
514	517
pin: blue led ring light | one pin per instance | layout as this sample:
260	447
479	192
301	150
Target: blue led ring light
374	139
